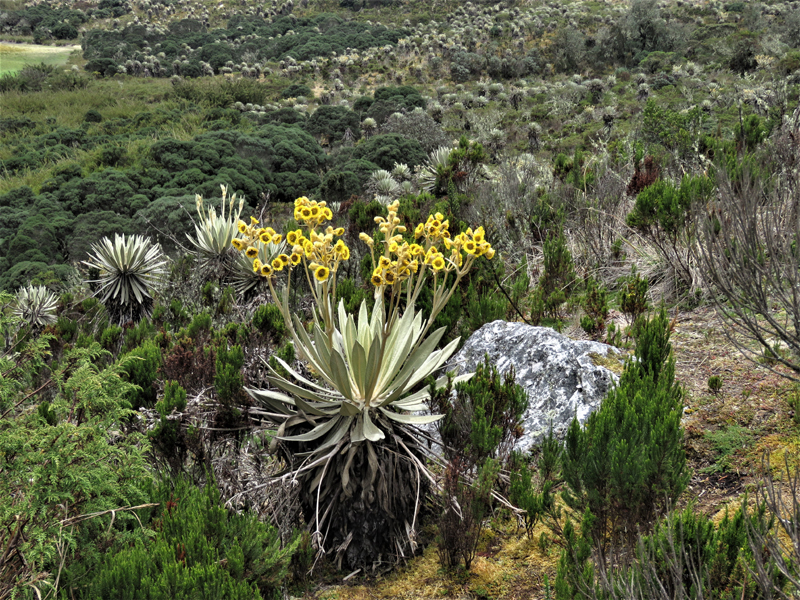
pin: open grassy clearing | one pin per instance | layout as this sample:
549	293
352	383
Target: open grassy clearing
13	57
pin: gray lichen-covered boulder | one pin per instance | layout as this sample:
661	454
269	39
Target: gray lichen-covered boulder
564	378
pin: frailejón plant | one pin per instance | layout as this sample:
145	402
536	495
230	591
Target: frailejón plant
36	306
348	437
130	268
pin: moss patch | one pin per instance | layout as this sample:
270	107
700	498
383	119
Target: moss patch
613	361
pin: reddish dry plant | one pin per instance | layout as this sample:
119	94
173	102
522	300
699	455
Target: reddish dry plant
193	367
642	179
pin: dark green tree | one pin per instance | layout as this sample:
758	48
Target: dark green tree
386	149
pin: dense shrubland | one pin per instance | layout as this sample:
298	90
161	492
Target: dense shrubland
618	157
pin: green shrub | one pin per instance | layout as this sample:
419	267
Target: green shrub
228	381
633	296
362	214
200	551
596	306
558	279
686	556
236	333
208	293
715	384
226	301
166	435
537	306
92	116
66	328
142	370
628	463
484	419
268	320
537	500
353	295
64	471
200	327
460	529
135	336
479	429
110	337
295	90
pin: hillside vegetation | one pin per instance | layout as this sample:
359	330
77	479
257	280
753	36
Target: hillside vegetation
186	407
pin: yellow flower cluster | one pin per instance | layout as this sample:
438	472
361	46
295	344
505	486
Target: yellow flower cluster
434	229
472	242
310	212
401	260
319	250
253	236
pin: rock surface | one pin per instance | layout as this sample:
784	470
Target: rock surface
560	375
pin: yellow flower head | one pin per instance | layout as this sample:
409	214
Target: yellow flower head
490	253
253	221
322	273
266	271
291	238
265	238
384	262
376	278
479	235
284	259
439	216
338	231
296	258
301	201
256	266
470	247
416	250
251	252
419	230
438	263
390	277
277	264
327	214
238	244
298	213
276	239
305	213
315	211
242	227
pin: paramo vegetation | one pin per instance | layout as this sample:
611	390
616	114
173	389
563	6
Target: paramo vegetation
238	245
